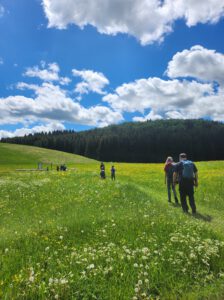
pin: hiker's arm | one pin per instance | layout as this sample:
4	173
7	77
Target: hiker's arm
196	179
165	177
195	176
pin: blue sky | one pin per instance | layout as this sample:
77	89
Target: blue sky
66	64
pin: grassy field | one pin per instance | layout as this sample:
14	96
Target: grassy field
70	235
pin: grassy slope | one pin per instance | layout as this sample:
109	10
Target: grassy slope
16	156
75	236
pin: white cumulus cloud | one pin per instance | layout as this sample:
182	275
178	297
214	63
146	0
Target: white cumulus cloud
25	131
175	98
91	82
48	72
147	20
52	104
197	11
198	62
156	94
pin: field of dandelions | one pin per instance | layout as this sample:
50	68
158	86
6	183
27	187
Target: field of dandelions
71	235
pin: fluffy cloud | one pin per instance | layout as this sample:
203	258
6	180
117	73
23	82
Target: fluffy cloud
51	103
156	94
48	72
197	11
168	99
92	82
174	98
25	131
147	20
197	62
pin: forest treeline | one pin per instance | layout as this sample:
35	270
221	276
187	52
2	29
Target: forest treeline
150	141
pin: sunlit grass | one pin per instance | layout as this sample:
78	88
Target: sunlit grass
70	235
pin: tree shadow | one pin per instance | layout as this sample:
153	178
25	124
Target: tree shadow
206	218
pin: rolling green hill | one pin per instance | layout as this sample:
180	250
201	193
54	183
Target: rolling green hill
20	156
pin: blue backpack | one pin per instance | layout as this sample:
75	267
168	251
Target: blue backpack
188	169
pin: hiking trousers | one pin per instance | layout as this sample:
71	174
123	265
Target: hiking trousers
186	189
170	186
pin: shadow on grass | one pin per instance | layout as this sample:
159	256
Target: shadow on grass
206	218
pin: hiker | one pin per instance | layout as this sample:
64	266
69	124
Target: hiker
112	173
102	167
63	167
187	175
102	171
169	170
102	174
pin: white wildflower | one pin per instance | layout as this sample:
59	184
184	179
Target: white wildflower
63	281
31	278
92	266
140	282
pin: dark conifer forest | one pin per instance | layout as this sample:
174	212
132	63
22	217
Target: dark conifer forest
150	141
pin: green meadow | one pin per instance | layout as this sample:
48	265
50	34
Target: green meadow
71	235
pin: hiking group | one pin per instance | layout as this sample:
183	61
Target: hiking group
185	174
103	173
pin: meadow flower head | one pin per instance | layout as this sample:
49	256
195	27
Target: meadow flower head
31	278
92	266
63	281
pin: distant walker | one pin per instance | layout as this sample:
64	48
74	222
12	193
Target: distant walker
113	172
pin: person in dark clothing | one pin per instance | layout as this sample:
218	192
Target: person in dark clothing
169	170
186	174
102	174
102	171
112	173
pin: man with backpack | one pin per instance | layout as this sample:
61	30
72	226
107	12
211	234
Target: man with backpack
186	174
